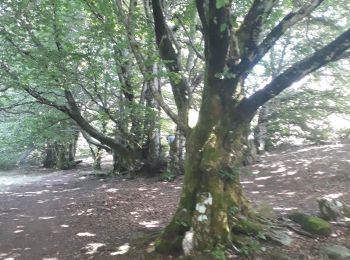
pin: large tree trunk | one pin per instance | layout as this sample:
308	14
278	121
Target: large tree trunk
212	200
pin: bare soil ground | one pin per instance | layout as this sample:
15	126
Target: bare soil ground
75	215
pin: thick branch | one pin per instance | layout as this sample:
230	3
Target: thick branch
249	32
216	34
331	52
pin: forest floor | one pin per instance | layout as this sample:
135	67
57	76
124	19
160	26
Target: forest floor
75	214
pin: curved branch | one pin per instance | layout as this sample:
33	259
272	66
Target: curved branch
74	113
93	142
329	53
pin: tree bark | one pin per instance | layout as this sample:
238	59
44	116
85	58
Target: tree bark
212	200
177	154
49	157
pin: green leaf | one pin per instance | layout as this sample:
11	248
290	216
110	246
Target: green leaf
221	3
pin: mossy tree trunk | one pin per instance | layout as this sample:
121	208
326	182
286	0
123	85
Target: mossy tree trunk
97	157
60	156
212	200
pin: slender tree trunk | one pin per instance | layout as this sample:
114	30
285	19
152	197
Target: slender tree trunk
97	157
260	131
177	154
23	158
173	166
72	150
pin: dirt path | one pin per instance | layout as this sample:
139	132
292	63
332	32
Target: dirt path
73	215
65	215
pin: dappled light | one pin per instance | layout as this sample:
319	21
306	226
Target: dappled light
84	215
123	249
150	224
122	208
92	248
295	178
85	234
47	217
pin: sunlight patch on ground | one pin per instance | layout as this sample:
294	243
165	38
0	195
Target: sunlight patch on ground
123	249
112	190
289	193
263	178
284	209
11	178
93	248
135	213
279	170
42	201
85	234
37	192
333	195
46	217
150	224
319	173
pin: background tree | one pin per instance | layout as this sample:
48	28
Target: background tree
31	132
76	62
303	111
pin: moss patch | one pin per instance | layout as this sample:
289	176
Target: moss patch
312	224
248	227
317	226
